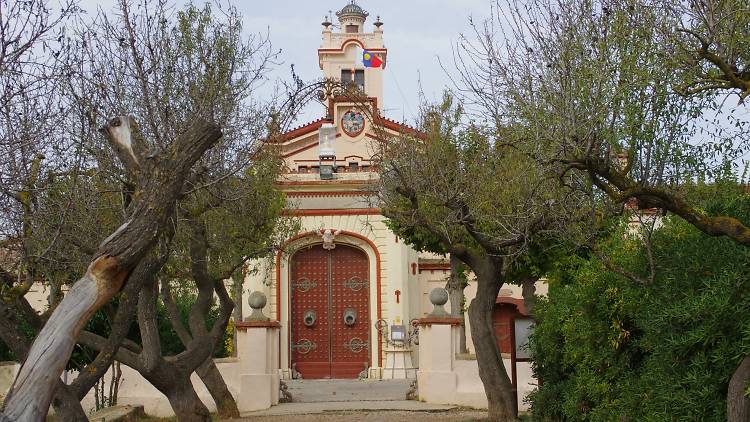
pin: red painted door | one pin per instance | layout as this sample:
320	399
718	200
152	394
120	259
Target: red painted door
330	321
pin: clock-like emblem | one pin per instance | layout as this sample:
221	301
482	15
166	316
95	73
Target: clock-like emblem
353	122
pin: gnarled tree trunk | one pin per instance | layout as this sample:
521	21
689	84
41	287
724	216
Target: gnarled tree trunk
738	404
160	181
66	404
501	399
226	406
455	287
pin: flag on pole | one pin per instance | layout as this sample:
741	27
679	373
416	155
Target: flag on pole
368	59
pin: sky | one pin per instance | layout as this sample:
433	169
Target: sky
417	33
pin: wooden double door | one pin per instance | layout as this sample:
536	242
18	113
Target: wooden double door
330	312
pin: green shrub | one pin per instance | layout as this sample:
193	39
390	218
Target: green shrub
606	347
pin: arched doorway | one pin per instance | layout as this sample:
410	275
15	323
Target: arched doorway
330	312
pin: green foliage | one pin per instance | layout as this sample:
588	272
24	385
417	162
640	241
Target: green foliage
170	342
605	346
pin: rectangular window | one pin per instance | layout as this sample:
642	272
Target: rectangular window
352	29
357	77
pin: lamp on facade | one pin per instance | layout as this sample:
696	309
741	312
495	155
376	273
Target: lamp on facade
327	153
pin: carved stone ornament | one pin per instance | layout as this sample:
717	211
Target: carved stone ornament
328	237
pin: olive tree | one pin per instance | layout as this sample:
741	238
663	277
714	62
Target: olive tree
484	203
636	96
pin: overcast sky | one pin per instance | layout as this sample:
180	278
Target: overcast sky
416	33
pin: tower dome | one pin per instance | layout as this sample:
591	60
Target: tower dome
352	17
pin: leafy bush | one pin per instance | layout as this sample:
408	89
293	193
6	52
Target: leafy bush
606	347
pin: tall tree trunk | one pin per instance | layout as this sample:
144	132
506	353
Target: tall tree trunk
64	400
143	275
226	406
528	291
185	402
455	287
161	181
501	400
738	404
237	313
66	404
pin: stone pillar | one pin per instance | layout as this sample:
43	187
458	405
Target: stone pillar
258	354
438	345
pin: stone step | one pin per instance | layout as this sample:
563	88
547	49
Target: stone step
124	413
324	407
315	391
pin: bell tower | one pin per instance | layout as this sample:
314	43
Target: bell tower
340	55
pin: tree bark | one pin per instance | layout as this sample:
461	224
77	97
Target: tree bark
528	291
237	313
185	402
501	399
143	275
226	406
455	287
160	184
738	404
67	406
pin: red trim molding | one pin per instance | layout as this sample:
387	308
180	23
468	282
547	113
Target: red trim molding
326	194
323	182
434	267
518	303
322	212
301	149
244	325
428	320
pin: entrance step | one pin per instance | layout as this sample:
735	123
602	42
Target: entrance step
321	391
125	413
324	407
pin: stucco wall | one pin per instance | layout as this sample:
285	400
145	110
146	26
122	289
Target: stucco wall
136	390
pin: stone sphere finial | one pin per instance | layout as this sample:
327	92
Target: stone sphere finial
439	297
257	301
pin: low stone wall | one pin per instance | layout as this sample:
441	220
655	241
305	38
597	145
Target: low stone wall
447	377
135	390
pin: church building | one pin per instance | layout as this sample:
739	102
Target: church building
345	271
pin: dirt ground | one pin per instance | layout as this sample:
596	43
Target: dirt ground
373	416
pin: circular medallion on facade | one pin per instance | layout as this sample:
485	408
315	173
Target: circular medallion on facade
353	122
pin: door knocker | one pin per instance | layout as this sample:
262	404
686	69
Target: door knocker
350	316
309	318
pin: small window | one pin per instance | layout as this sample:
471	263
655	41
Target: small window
359	78
302	169
356	76
346	75
352	29
353	166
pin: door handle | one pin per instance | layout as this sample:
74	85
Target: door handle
350	316
309	318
